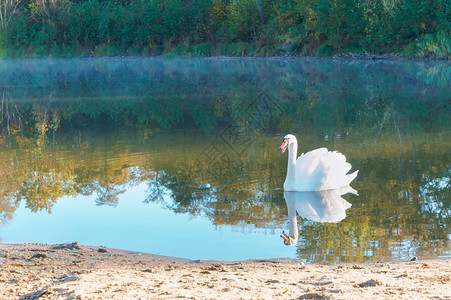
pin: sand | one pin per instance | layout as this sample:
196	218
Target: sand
71	271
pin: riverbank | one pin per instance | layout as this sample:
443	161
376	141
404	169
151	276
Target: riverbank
71	271
227	56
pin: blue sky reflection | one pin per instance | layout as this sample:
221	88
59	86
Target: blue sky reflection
133	225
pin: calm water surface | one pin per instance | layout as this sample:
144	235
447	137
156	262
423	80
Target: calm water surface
180	156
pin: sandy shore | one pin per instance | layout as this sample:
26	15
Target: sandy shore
71	271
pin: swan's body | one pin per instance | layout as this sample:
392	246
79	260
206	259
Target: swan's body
322	206
316	170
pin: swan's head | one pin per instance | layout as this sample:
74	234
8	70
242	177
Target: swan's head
287	141
288	240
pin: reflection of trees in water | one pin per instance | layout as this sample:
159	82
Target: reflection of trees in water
377	105
436	195
394	205
391	219
40	176
41	98
230	196
28	123
184	192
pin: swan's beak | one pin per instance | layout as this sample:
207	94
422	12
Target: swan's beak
284	236
284	145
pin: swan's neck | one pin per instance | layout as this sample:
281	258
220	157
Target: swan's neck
292	153
292	220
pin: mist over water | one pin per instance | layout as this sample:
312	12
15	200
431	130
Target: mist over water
155	154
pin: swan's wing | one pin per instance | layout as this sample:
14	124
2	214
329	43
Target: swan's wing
336	171
308	162
321	206
321	169
310	169
333	206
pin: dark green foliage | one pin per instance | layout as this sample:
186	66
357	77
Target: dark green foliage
226	27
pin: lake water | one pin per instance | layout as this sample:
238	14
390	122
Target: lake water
180	157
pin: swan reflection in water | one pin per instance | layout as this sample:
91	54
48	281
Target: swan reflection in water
319	206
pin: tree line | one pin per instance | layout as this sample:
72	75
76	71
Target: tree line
224	27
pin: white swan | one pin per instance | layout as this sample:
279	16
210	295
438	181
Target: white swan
316	170
322	206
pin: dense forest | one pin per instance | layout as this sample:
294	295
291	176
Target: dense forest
224	27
